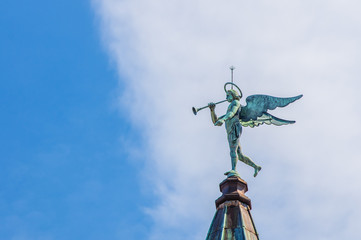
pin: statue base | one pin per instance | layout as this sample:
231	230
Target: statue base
233	188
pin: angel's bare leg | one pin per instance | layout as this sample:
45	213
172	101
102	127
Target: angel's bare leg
248	161
233	152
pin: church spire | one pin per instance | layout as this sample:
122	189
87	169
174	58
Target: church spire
233	220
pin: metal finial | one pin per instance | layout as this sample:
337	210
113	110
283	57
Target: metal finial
232	68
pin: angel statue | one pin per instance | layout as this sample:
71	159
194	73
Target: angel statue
253	114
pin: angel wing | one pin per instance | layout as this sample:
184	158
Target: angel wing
255	112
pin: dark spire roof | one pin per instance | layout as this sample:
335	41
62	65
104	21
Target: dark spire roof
233	220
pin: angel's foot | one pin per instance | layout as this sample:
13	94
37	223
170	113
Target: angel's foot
256	170
231	173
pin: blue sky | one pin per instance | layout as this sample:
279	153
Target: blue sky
64	174
98	138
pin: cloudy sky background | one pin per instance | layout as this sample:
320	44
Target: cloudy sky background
99	141
176	54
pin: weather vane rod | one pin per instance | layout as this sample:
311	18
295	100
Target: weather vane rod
232	68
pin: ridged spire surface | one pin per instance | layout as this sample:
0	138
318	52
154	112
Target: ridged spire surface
233	220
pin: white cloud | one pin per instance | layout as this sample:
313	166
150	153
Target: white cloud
176	54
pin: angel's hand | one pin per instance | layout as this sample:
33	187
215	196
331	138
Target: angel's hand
219	122
212	106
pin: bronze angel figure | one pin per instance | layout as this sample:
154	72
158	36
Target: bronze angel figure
252	115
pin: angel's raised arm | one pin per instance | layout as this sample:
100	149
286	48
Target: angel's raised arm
234	108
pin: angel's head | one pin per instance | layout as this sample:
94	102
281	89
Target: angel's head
232	95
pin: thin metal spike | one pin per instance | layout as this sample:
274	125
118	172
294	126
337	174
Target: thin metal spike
232	68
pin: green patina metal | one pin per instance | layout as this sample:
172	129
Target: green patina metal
253	114
232	221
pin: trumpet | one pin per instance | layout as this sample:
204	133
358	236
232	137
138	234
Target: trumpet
196	110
